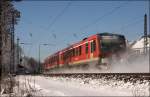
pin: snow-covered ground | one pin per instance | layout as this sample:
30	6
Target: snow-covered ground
59	86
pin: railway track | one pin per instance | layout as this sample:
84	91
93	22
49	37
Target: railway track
132	77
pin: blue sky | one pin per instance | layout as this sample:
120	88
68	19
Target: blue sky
66	22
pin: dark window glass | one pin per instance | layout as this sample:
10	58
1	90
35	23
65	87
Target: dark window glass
94	45
86	48
76	50
80	49
112	43
91	47
73	52
61	57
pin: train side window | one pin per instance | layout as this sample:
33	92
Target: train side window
86	48
76	51
61	57
70	53
80	49
91	47
94	45
65	55
73	52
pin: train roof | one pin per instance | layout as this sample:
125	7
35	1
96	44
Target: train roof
72	45
110	34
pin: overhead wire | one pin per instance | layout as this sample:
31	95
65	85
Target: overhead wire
83	5
103	16
31	23
54	35
132	23
59	15
97	20
55	20
31	79
75	35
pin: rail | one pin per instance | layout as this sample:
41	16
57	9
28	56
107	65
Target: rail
132	77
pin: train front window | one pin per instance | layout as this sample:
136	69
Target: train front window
112	43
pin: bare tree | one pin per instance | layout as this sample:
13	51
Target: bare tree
9	17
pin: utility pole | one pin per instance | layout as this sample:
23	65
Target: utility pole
40	68
145	34
12	45
18	53
12	57
1	42
39	59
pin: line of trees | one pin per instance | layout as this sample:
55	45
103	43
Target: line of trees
9	16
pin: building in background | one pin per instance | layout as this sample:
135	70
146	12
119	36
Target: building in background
138	45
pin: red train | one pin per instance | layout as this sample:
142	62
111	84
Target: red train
94	50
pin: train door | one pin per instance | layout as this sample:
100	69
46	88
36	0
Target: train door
93	52
91	49
87	50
